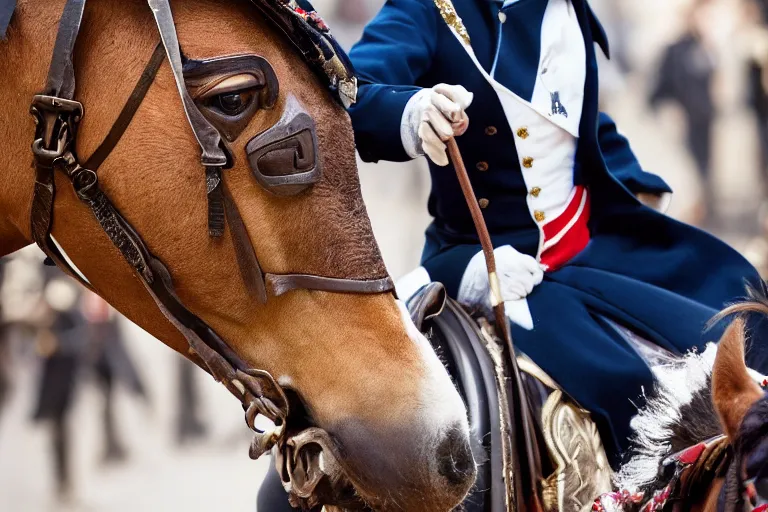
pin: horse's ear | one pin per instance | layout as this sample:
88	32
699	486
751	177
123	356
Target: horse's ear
733	390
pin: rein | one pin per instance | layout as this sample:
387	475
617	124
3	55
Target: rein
57	116
683	475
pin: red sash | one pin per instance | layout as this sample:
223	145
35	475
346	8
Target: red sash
567	235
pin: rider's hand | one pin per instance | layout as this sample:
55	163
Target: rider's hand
432	116
518	273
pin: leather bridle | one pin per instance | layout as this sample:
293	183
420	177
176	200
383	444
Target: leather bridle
57	115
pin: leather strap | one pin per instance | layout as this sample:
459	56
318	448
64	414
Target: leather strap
214	158
45	188
49	142
57	119
278	284
247	262
129	110
61	74
526	464
207	136
41	221
86	185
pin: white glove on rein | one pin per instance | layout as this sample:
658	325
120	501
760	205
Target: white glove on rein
432	116
518	273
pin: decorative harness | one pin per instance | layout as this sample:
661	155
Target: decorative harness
690	473
57	116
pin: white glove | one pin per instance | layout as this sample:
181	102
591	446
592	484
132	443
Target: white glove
432	116
518	273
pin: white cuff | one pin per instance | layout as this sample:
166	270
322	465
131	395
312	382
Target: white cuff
474	287
409	125
519	313
411	282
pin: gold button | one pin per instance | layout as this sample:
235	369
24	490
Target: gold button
502	17
482	166
483	202
535	191
527	162
491	130
539	215
523	132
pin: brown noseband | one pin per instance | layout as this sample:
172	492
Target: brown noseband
57	116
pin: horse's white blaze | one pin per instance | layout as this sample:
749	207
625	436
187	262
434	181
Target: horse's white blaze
442	406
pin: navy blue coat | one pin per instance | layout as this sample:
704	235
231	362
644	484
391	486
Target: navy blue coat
409	46
655	275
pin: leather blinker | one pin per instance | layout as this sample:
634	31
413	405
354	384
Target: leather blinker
285	157
204	77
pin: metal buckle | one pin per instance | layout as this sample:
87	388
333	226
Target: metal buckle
56	121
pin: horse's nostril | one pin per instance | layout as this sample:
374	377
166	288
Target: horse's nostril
454	459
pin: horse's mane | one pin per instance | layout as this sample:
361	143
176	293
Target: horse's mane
680	411
677	415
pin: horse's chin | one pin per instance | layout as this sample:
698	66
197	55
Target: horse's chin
313	473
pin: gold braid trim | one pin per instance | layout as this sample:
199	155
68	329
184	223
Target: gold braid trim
451	17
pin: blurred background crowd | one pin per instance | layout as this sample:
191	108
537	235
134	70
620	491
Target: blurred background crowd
95	415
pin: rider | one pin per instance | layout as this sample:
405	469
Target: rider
582	249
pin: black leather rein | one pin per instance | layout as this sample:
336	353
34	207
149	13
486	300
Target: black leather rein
57	116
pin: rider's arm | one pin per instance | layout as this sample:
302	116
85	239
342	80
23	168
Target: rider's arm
623	164
395	51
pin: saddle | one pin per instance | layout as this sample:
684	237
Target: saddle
573	468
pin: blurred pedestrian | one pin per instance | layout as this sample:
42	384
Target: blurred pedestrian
685	78
61	343
756	36
111	363
5	380
189	425
353	12
79	334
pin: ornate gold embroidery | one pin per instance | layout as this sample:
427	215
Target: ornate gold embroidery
451	17
581	467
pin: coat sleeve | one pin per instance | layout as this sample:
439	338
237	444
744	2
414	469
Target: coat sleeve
622	163
394	53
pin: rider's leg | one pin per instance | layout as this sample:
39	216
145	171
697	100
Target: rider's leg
589	359
272	496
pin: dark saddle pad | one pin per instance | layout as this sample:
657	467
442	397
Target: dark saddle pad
456	338
562	429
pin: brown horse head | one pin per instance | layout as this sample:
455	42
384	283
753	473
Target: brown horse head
360	369
734	391
743	410
706	425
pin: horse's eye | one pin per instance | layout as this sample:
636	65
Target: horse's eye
232	103
230	91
